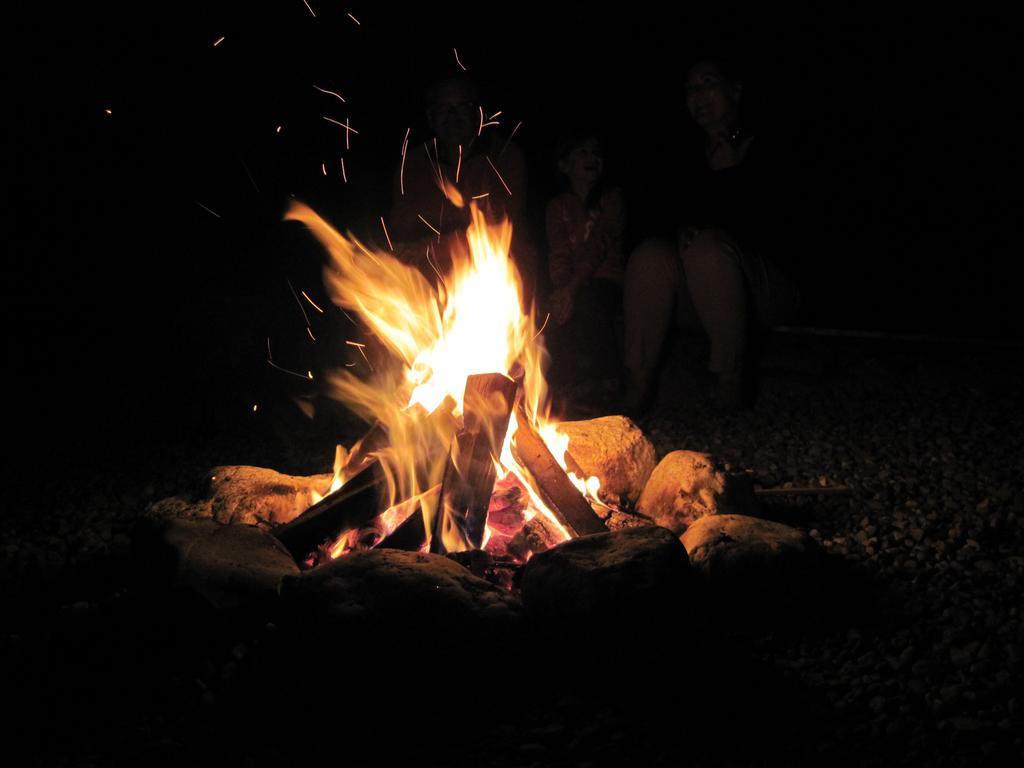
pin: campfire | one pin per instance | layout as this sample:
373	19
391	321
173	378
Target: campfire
462	454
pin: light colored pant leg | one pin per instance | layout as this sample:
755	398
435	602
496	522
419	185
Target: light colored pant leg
652	282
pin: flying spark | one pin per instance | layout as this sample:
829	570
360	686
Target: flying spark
331	93
505	146
459	166
275	366
310	8
348	128
302	309
214	213
344	177
433	229
312	303
310	332
457	60
401	170
218	41
358	24
499	176
360	347
386	235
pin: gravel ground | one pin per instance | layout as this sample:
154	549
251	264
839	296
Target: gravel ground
914	661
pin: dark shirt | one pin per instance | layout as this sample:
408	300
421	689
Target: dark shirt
752	201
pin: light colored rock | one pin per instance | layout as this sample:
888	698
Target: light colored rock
754	568
613	449
687	485
232	566
249	495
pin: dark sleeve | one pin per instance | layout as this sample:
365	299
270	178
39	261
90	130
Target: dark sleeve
560	261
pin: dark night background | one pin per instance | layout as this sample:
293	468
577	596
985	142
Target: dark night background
136	323
128	304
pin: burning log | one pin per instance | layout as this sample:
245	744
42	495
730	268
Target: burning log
411	533
354	504
470	472
550	481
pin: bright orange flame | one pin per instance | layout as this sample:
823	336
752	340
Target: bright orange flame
473	322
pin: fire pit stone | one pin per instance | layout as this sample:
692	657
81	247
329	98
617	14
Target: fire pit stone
754	568
687	485
613	449
232	567
614	585
385	593
243	494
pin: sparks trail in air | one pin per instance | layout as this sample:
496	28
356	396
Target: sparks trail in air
323	168
278	129
302	309
213	213
270	361
218	41
249	174
480	130
431	226
310	332
480	197
433	266
308	6
458	167
435	166
545	325
401	169
386	235
360	347
344	177
335	94
499	176
458	60
311	302
348	128
509	139
496	114
358	23
109	111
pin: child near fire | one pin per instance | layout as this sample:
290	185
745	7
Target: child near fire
585	264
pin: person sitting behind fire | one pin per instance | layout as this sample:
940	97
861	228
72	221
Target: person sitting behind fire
584	225
474	158
721	274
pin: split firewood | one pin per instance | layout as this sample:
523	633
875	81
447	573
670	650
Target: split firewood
550	481
411	533
538	535
470	472
353	505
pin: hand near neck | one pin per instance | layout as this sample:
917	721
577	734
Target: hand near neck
726	145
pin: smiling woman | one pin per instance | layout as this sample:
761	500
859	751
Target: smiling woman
721	273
